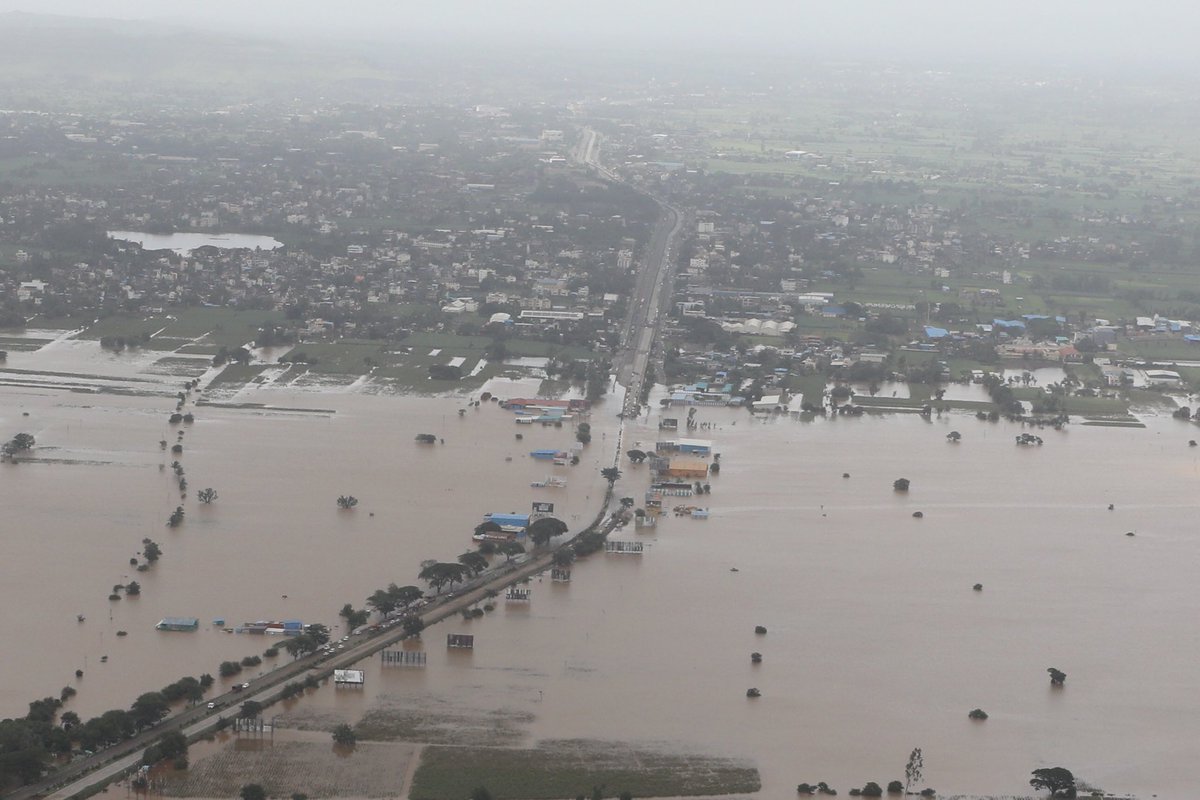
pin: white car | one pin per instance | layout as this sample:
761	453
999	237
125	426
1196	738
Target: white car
212	706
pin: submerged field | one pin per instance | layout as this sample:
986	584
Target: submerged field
570	768
316	769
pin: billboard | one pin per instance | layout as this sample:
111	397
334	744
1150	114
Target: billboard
543	508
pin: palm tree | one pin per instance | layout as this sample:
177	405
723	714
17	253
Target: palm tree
610	474
206	496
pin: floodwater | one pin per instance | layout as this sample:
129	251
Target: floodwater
274	545
184	243
876	642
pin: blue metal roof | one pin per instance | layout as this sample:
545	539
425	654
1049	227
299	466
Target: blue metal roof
509	519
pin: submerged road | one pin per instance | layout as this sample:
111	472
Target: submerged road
640	343
114	763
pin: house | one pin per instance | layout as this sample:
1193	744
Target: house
531	315
769	403
1069	355
178	624
1114	376
1162	377
461	305
696	447
576	404
689	468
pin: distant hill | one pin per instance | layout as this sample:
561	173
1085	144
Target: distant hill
43	54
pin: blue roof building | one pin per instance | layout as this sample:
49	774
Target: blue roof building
520	521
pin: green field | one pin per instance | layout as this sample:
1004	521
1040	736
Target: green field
238	373
200	328
406	363
1162	349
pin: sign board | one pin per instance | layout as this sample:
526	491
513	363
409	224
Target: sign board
354	677
402	658
542	507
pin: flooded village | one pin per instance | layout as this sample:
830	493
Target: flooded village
797	529
520	437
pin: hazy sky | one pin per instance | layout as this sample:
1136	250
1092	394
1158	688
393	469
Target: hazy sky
1104	31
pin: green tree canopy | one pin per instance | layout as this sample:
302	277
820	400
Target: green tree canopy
1057	780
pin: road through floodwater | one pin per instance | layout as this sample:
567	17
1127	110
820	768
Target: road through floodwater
876	643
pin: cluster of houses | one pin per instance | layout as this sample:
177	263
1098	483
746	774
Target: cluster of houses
468	247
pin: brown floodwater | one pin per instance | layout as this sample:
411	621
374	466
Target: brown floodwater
876	642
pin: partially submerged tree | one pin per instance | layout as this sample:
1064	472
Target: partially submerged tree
150	550
344	735
1057	780
412	625
347	502
488	526
21	443
443	573
510	549
913	770
355	618
473	561
543	530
